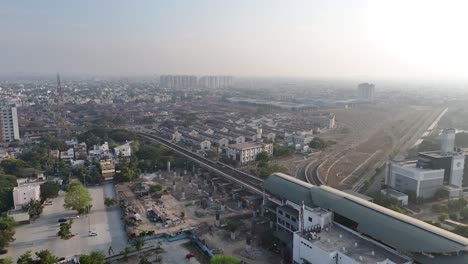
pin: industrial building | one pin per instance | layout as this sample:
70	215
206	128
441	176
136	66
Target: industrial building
337	227
410	177
9	129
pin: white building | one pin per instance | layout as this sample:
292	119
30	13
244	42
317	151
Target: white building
338	244
9	130
125	150
67	154
25	193
247	151
407	176
295	139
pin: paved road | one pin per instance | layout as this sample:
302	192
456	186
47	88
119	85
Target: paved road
42	234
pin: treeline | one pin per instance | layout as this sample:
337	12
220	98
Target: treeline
100	135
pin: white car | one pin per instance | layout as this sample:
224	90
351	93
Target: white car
74	217
91	233
48	203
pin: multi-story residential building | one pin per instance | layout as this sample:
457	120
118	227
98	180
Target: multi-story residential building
177	81
216	81
247	151
107	168
294	139
25	193
366	91
9	130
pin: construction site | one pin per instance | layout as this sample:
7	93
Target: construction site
224	216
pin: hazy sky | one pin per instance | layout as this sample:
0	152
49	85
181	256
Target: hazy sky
318	39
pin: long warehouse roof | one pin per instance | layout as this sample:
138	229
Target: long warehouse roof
402	232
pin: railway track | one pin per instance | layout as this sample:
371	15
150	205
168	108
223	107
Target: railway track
249	181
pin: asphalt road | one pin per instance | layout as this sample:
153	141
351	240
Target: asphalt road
42	234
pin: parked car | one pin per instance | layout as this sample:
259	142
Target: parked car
62	220
48	203
3	251
74	217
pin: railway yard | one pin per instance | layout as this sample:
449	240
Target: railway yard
375	135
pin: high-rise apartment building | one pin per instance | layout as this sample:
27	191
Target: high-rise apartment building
177	81
366	91
9	130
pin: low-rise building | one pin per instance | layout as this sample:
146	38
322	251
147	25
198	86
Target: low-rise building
125	150
25	193
248	151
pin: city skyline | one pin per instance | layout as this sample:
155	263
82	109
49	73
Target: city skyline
309	39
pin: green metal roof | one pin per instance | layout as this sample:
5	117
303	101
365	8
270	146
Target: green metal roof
402	232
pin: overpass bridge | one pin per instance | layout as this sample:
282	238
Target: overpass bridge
246	180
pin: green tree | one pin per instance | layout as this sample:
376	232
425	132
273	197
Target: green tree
144	260
139	243
155	188
443	217
65	230
12	166
223	259
49	190
109	201
46	257
262	156
232	226
7	183
7	231
78	198
464	213
34	208
26	258
94	257
7	260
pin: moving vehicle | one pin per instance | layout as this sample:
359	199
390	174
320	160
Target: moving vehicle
91	233
62	220
74	217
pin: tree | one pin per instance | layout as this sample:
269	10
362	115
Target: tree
94	257
453	216
110	201
232	227
78	198
46	257
262	156
7	183
127	250
443	217
155	188
144	260
34	208
65	230
7	231
7	260
223	259
464	213
139	243
12	166
49	190
26	258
